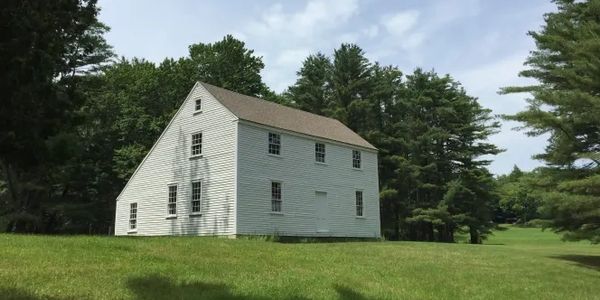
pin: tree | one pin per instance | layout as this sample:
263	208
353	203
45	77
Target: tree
518	196
312	91
44	46
566	105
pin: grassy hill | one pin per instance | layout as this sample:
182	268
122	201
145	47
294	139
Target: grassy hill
514	264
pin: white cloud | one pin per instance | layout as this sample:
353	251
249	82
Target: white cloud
399	24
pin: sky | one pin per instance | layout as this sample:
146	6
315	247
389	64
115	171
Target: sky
480	43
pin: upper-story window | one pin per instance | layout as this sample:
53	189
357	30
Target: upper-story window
197	144
198	105
275	196
359	203
320	152
274	143
356	161
133	216
172	202
196	196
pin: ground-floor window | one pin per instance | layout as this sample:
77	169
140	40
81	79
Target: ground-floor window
276	196
359	203
132	216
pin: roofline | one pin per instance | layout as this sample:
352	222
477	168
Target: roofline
244	121
157	140
293	108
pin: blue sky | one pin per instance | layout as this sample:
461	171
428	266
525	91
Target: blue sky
482	44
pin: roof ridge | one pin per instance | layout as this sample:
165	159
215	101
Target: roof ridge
271	102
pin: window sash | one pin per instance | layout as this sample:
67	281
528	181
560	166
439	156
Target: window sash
359	203
132	216
196	196
274	143
172	204
198	105
276	196
320	152
356	160
197	144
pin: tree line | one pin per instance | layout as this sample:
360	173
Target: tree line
76	121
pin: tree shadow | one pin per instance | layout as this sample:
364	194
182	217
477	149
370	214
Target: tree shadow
346	293
161	287
586	261
17	294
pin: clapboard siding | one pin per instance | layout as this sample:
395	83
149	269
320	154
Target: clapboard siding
301	177
169	162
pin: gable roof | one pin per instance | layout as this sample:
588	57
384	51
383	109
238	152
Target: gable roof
271	114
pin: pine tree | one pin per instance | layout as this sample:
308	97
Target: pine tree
566	105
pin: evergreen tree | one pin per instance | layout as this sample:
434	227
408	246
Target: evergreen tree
566	105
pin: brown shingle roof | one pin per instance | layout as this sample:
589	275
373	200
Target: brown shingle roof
279	116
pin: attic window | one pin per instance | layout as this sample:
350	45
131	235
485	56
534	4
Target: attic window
274	143
356	159
320	152
198	107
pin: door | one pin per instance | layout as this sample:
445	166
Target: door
322	211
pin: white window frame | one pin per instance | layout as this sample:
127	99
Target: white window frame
198	105
274	145
320	154
356	159
359	201
172	200
133	210
193	199
276	198
193	152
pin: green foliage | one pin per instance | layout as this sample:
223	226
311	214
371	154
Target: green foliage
566	105
518	195
430	136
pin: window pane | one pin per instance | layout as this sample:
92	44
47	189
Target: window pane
320	152
196	196
274	143
198	104
359	203
172	204
196	144
276	196
356	159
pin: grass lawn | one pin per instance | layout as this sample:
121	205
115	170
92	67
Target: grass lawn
514	264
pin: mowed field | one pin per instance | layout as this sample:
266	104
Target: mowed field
515	264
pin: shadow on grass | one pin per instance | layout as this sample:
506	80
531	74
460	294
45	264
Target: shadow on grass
161	287
346	293
17	294
586	261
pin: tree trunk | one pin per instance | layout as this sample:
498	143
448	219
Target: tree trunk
475	238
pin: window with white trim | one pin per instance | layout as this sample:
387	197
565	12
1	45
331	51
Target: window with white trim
356	159
133	216
274	143
359	203
275	196
320	152
172	203
196	196
198	105
197	144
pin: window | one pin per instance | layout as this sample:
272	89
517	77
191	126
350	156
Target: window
196	196
274	143
197	144
359	203
198	105
172	204
319	152
275	196
133	216
356	159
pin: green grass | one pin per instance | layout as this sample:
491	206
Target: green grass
520	263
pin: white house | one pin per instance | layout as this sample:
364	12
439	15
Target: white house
230	164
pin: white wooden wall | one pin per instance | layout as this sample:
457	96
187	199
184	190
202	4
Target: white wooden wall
302	178
169	162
